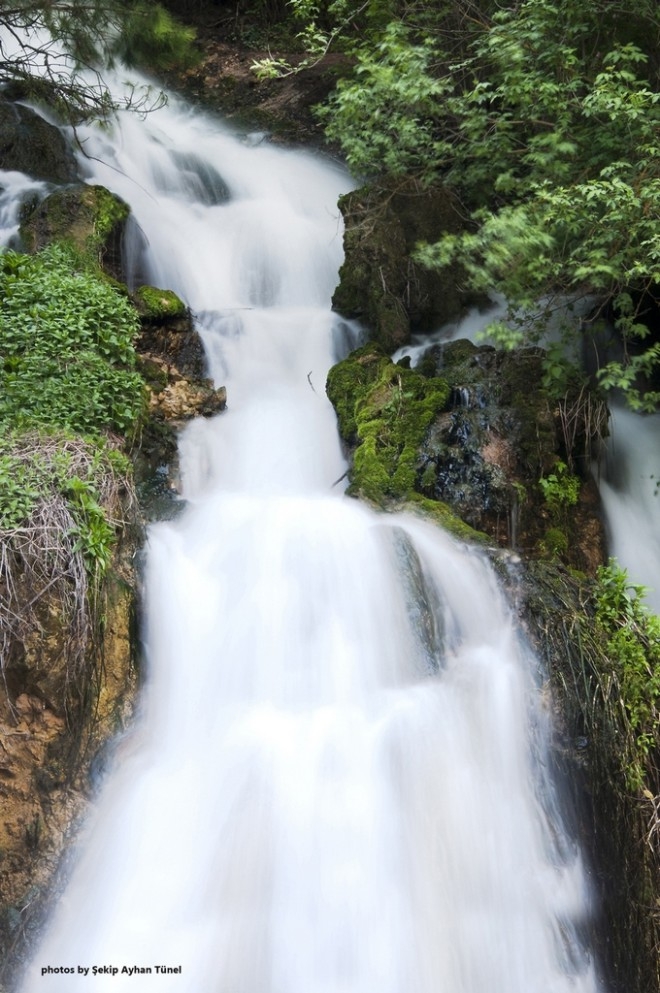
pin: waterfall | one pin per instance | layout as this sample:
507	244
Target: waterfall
631	499
338	781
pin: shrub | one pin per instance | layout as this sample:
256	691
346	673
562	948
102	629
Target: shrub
66	346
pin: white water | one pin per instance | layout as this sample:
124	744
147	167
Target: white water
631	497
15	189
339	780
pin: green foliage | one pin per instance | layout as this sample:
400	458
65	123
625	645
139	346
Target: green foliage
19	489
67	364
66	346
545	119
94	535
84	36
561	490
384	115
632	636
151	36
46	474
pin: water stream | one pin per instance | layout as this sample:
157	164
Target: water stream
339	779
631	497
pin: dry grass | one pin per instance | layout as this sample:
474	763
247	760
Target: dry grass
47	593
584	419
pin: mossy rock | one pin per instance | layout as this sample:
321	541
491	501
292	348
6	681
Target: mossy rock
384	411
156	305
468	435
379	282
90	219
440	513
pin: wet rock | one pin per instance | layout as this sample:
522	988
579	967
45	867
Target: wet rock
167	336
172	361
181	400
89	217
379	282
488	455
471	438
31	145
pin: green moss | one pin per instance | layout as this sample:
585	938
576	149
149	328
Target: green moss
84	219
396	412
459	353
385	409
157	304
108	211
348	380
554	543
442	514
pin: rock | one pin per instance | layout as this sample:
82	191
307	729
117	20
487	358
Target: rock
384	411
156	306
167	336
172	361
89	217
487	456
470	437
379	282
52	723
182	400
31	145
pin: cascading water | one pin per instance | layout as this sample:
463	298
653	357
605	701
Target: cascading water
631	498
338	783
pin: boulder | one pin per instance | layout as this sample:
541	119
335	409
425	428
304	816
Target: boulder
500	457
171	359
379	282
31	145
471	437
90	218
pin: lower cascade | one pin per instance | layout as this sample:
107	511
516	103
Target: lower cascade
339	781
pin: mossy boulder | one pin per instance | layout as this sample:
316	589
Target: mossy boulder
501	457
471	438
379	282
89	218
155	305
384	411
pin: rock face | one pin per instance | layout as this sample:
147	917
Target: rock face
615	829
171	359
501	457
51	727
471	432
30	144
379	282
